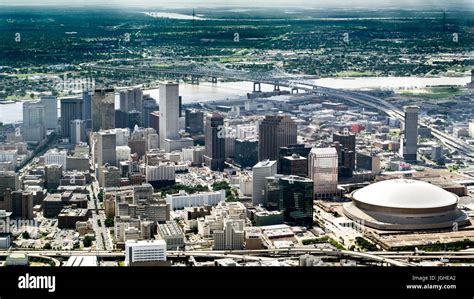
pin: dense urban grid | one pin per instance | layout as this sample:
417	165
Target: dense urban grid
111	165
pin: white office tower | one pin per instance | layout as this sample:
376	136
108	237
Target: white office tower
122	136
50	104
144	252
170	139
106	148
169	110
261	170
78	131
409	140
55	156
123	153
323	171
34	121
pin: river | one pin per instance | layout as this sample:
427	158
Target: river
11	113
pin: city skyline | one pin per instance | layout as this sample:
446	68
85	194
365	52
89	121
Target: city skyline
151	139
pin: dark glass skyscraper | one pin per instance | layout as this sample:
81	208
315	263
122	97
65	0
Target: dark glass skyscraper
293	195
246	152
71	109
149	105
410	134
87	108
194	121
289	151
275	132
214	156
345	143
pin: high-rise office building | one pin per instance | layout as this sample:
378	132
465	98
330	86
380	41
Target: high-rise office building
323	171
8	180
51	112
294	165
290	150
71	109
149	105
131	107
154	119
346	139
169	109
246	152
131	99
194	121
293	195
409	142
34	121
121	119
105	147
368	161
215	143
261	170
275	132
87	108
134	118
78	131
103	109
170	138
345	144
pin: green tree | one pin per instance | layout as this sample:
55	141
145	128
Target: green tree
87	241
47	246
100	196
25	235
109	222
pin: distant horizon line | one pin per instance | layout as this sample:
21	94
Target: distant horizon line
356	8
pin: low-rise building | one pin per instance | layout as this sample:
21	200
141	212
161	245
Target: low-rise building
145	253
172	234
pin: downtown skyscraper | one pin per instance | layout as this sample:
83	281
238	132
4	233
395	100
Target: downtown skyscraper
275	132
103	109
214	156
170	139
71	109
409	142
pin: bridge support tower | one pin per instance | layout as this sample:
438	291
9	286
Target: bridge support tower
276	86
255	85
194	80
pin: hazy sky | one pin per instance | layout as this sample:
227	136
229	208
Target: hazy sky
291	3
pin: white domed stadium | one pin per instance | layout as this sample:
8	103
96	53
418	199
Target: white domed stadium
403	204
